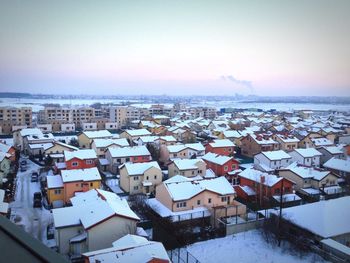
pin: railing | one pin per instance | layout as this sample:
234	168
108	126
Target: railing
181	255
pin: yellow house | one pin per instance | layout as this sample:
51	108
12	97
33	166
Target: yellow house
55	191
136	178
187	167
85	138
57	149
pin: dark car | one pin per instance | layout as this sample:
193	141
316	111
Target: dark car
23	168
23	162
34	177
37	199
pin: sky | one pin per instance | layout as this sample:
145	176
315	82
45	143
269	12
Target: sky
273	48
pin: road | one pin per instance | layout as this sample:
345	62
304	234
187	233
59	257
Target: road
33	220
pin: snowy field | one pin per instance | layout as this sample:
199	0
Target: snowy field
246	247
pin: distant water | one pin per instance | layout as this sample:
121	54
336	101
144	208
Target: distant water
37	104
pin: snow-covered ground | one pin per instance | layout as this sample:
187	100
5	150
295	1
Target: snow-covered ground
247	247
33	220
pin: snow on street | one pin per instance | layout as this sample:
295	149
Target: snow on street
247	247
33	220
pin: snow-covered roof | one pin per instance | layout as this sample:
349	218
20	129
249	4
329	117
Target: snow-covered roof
138	132
103	143
308	152
139	168
65	145
97	134
215	158
187	164
130	248
184	189
43	146
232	134
259	139
321	141
276	155
31	131
54	181
168	138
338	164
249	191
325	218
80	154
334	149
180	147
222	143
307	172
129	151
66	216
260	177
287	138
90	174
4	147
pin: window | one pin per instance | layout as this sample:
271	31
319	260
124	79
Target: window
91	184
74	164
277	191
233	166
136	178
147	177
57	191
181	204
175	154
199	171
136	187
127	159
224	199
89	161
225	168
192	172
230	149
155	177
135	158
198	202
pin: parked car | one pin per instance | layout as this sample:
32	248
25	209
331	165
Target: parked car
37	198
23	168
23	162
34	177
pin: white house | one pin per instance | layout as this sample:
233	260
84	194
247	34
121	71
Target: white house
306	156
272	160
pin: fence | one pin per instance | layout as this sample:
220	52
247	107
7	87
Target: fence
181	255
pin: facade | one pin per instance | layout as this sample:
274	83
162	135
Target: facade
81	159
287	142
12	116
270	161
221	165
187	167
137	178
253	144
85	138
221	147
100	145
308	157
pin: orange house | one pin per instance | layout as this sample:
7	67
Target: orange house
220	164
81	159
79	180
221	147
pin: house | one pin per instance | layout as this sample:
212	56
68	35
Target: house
320	142
311	181
187	167
136	178
55	190
5	166
180	195
340	167
95	220
130	248
81	159
100	145
79	180
287	142
272	160
253	144
329	152
308	156
183	151
85	138
36	144
306	142
320	220
4	206
19	135
132	135
221	147
232	135
221	165
184	135
5	148
56	150
118	156
265	185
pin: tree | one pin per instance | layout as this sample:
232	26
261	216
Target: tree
155	153
74	142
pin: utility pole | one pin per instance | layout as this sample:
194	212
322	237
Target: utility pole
280	214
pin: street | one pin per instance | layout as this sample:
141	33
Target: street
33	220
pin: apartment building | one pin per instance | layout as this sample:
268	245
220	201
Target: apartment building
10	117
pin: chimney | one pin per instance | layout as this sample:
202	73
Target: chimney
262	179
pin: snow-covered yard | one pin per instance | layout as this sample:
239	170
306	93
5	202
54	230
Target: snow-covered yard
33	220
247	247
